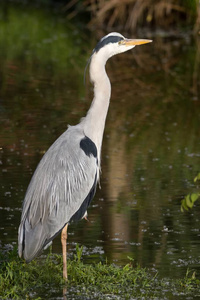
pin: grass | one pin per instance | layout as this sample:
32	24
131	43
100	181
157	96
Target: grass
42	279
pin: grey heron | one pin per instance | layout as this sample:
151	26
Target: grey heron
65	179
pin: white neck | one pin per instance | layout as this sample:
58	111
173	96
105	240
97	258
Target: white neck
94	122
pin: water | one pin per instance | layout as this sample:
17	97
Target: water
151	144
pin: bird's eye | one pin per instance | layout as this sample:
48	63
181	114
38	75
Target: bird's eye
122	42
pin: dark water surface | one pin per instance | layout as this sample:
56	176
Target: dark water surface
151	147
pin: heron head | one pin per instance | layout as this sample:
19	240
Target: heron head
115	43
112	44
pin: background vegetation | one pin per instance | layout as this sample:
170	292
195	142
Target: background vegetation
132	14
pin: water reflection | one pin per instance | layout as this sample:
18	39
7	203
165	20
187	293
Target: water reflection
151	143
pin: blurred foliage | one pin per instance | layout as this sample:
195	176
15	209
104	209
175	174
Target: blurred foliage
37	36
188	202
197	177
133	14
129	14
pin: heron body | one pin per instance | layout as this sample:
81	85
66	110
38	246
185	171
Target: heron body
65	180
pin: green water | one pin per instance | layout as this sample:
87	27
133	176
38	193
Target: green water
151	147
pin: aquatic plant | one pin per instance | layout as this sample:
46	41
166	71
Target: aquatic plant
188	201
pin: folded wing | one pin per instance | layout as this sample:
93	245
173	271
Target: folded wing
60	190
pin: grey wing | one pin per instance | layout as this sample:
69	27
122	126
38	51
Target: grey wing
60	190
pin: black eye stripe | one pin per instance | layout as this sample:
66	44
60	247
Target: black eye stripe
107	40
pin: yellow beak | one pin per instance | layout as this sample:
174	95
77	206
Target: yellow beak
134	42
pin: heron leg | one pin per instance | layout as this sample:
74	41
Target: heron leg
64	250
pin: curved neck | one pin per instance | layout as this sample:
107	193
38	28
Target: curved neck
94	122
